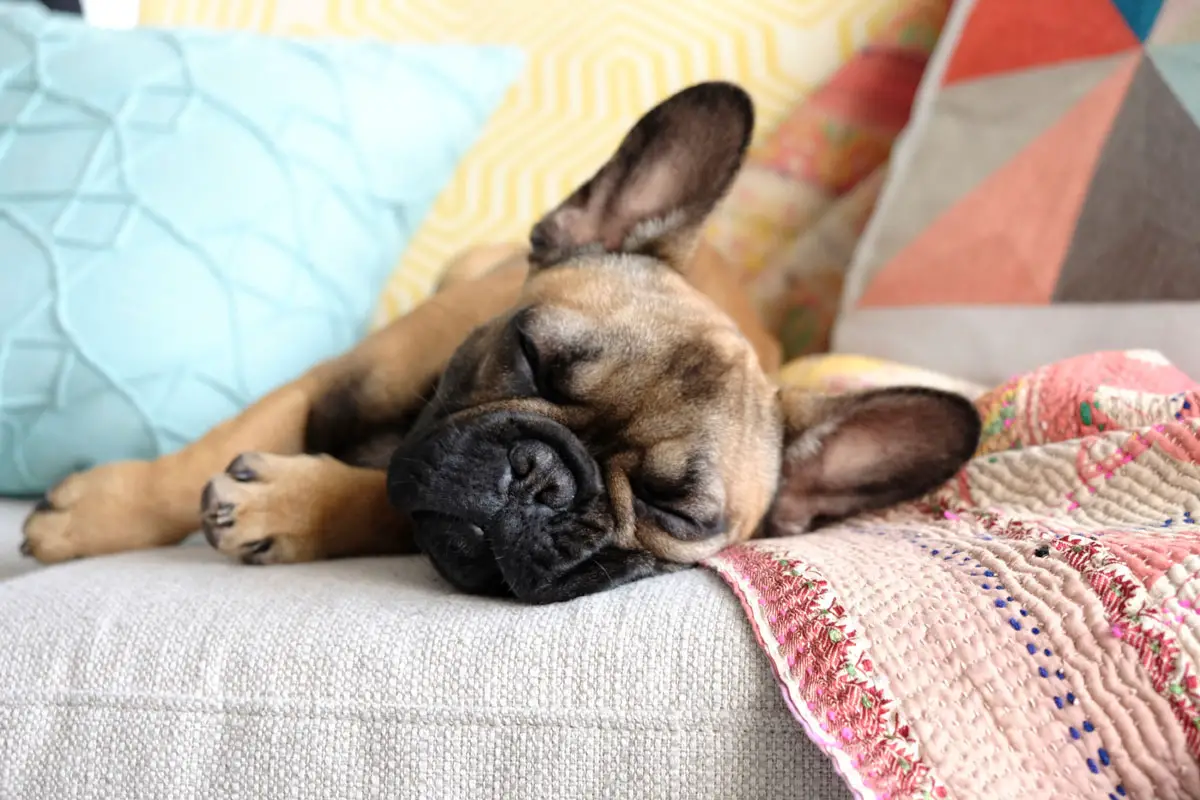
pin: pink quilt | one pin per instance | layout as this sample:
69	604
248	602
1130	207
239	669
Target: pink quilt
1031	630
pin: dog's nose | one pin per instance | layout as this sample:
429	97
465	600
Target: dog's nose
502	502
499	460
540	476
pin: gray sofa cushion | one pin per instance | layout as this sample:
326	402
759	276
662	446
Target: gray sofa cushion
12	514
175	674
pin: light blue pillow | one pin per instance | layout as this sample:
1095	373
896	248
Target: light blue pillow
189	219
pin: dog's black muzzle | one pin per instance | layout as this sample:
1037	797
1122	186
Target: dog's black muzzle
511	503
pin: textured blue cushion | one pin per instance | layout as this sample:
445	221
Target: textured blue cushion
189	219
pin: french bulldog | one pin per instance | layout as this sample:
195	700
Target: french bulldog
599	408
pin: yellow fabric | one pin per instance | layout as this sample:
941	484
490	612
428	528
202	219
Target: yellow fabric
594	67
845	373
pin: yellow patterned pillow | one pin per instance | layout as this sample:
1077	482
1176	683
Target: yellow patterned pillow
838	372
594	66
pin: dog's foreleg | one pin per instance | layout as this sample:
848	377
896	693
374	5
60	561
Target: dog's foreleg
272	509
133	505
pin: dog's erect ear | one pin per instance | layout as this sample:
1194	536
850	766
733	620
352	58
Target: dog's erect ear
651	197
851	453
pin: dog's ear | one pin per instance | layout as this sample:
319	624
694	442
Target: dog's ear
651	197
851	453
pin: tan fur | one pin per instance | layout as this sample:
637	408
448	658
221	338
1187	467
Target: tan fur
136	505
617	330
737	422
311	507
709	272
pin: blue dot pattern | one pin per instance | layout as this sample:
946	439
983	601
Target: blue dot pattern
199	220
1066	701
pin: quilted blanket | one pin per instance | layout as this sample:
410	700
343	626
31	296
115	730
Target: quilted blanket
1027	631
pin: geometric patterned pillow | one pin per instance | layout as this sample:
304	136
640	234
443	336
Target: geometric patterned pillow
1045	201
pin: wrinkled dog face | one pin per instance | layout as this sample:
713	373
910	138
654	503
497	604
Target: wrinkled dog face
616	424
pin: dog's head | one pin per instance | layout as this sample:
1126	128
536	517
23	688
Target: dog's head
616	424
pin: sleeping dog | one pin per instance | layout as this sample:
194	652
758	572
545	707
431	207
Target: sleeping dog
597	410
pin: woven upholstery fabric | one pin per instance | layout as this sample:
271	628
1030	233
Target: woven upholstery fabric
594	67
12	513
1028	630
174	674
1043	202
189	219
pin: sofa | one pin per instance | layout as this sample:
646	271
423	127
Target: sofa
1029	629
174	673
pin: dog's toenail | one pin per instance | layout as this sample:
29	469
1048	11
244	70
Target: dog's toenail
206	497
26	550
251	551
240	471
43	504
223	516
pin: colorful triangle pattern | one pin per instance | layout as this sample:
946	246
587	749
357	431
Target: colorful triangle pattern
1140	15
1135	239
1099	207
1177	21
1006	35
1178	64
1004	241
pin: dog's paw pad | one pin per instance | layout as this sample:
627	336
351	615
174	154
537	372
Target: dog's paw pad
104	510
256	510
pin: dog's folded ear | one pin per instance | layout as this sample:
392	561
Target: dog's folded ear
851	453
668	174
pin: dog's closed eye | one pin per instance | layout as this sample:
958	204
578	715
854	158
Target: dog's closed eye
530	361
547	365
680	524
674	507
537	365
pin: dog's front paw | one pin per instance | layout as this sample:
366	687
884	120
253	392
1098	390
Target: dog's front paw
264	509
108	509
